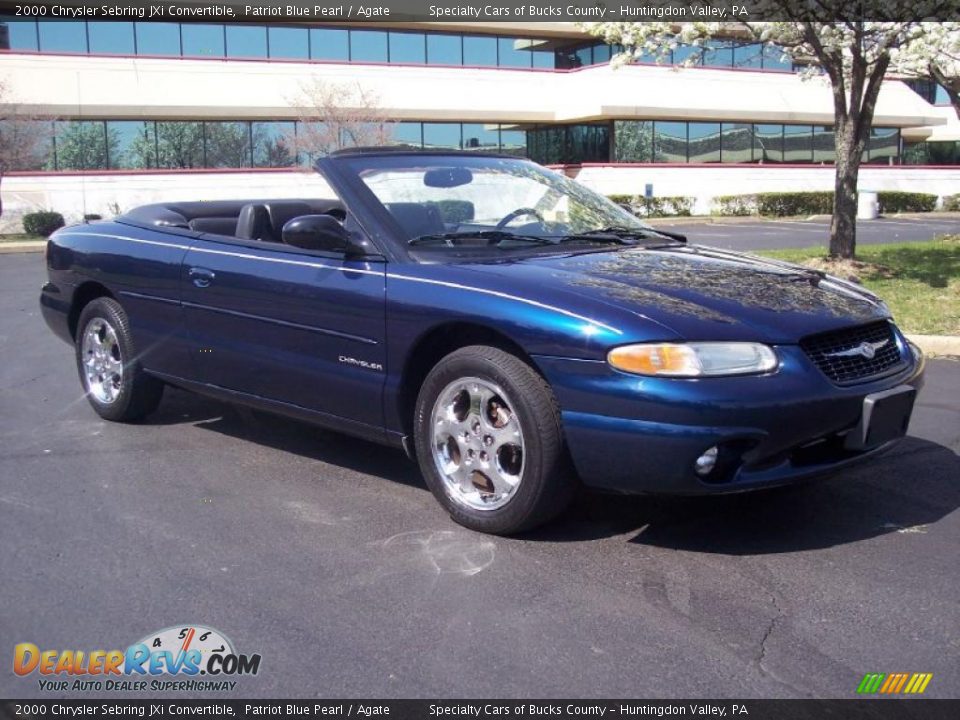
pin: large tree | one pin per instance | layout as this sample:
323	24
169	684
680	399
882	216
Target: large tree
337	115
830	38
24	138
934	54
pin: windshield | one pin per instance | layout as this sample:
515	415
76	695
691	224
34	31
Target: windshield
449	201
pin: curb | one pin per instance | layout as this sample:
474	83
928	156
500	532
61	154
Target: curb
937	345
22	246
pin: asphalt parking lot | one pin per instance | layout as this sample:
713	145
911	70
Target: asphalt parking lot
768	234
328	557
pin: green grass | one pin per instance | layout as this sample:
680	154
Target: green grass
919	281
19	237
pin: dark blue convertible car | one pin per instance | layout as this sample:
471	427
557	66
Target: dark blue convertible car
515	332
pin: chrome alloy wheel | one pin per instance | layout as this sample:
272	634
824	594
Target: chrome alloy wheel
477	444
102	361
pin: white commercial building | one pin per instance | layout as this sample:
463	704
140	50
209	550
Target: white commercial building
159	111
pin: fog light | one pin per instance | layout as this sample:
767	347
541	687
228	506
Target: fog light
705	464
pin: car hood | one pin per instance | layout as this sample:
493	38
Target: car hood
697	292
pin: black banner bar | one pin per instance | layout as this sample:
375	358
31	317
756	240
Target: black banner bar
327	709
350	11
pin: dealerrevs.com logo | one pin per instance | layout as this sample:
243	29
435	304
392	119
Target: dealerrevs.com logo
198	657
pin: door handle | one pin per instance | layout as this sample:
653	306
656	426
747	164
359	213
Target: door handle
201	277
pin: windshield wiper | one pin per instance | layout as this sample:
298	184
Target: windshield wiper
495	237
627	232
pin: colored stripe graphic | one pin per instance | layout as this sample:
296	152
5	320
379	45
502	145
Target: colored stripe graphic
894	683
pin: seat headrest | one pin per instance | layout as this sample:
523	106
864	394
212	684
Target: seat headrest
416	219
253	223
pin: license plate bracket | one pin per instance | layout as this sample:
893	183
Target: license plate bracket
885	417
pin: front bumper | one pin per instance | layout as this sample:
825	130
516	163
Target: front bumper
634	434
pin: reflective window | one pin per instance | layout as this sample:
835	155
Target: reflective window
444	49
768	143
719	54
247	41
824	150
82	145
941	97
588	143
368	46
111	38
179	145
682	52
513	141
408	48
514	52
21	35
797	143
132	144
158	38
601	54
748	56
227	144
633	141
407	134
273	144
542	58
736	142
704	142
479	50
584	56
772	59
63	36
441	135
328	44
546	145
202	40
288	42
38	155
477	136
884	145
669	142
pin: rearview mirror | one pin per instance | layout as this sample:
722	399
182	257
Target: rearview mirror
317	232
448	177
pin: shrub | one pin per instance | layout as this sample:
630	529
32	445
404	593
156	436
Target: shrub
785	204
895	202
735	205
951	203
42	223
641	206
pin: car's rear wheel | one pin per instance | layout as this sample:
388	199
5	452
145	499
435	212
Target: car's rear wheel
490	442
115	384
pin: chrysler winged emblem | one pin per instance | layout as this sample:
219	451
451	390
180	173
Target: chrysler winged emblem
865	349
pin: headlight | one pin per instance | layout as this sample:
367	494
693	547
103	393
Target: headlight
701	359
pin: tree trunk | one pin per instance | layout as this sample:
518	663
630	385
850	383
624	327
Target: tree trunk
843	226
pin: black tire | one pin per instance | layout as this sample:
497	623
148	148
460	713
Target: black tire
136	394
547	483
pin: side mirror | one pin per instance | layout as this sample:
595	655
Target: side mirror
317	232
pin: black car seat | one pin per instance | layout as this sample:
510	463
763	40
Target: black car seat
253	223
416	219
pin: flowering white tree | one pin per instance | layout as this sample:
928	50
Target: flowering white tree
933	54
831	39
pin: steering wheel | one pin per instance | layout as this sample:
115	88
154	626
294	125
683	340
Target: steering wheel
519	212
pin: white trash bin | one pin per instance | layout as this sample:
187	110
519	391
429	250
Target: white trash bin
868	207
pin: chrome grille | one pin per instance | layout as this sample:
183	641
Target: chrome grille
844	355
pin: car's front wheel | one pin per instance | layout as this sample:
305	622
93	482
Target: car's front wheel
489	442
112	378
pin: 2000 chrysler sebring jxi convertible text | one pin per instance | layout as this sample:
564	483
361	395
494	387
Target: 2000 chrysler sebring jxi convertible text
515	331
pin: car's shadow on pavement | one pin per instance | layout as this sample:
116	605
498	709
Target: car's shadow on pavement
287	435
911	487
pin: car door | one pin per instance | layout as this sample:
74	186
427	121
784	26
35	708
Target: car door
293	326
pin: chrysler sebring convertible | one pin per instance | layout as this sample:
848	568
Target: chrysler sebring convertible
516	333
